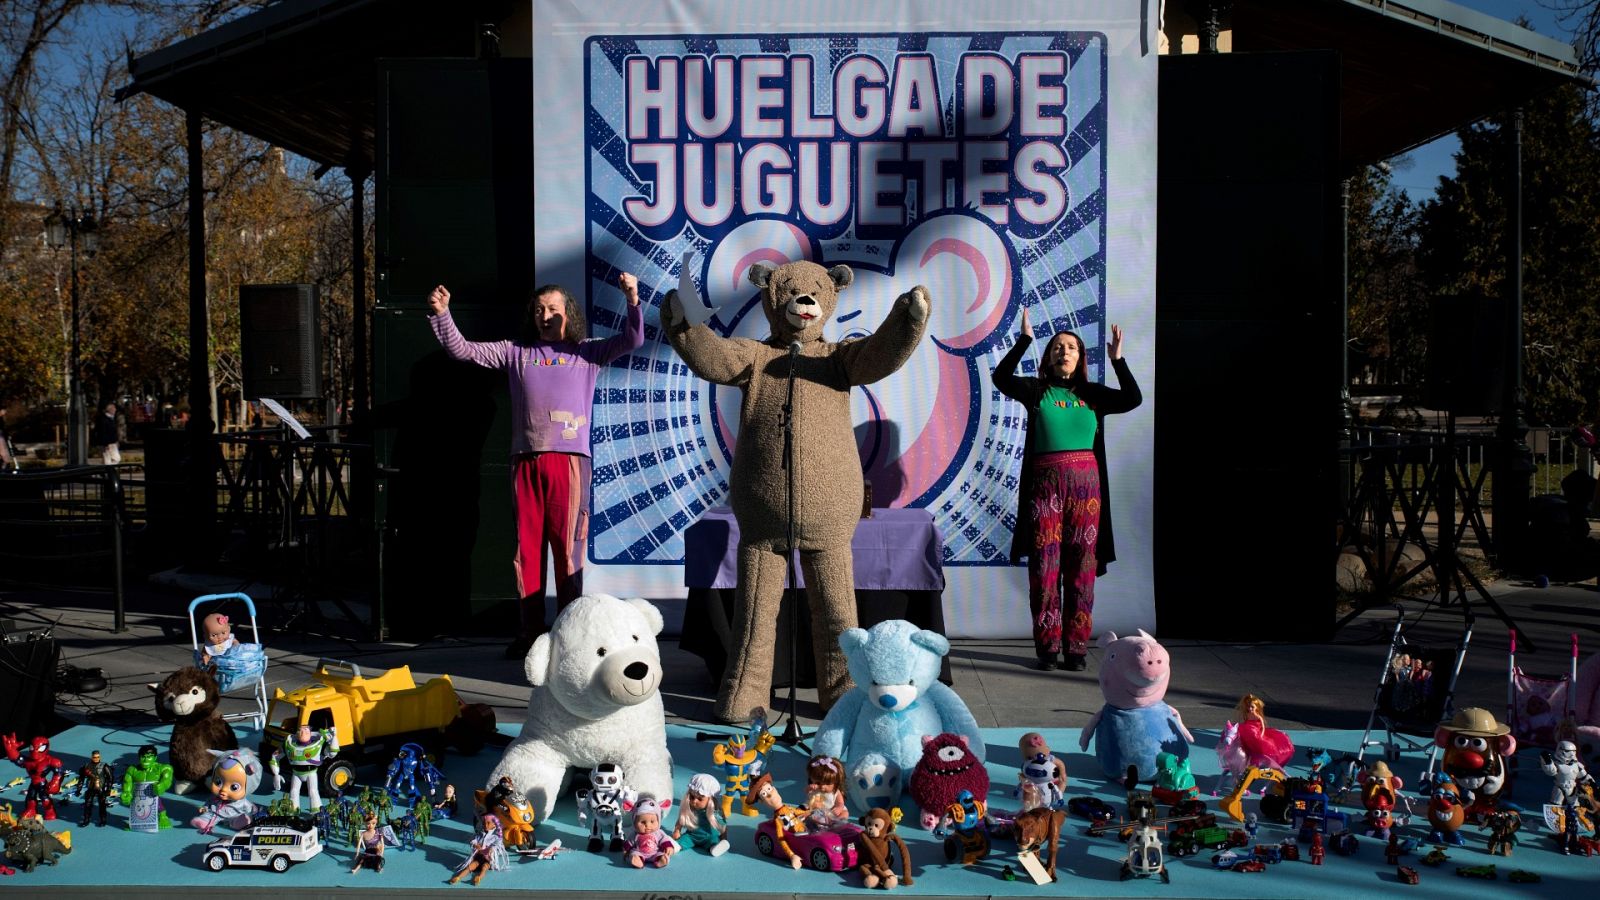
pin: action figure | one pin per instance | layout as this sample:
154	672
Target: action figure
740	763
142	786
44	774
1037	785
1503	825
1567	769
604	804
235	776
410	764
95	782
786	819
1251	823
1317	850
691	831
369	847
964	822
1570	828
650	845
488	852
306	750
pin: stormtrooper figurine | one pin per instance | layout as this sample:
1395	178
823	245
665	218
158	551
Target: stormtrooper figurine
1567	769
604	805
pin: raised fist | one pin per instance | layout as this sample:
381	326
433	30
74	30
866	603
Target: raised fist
629	283
438	300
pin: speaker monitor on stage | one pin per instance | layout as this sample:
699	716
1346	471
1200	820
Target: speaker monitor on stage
1466	354
281	341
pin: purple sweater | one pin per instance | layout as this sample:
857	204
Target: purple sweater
552	383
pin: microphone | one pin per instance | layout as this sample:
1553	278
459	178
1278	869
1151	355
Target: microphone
794	348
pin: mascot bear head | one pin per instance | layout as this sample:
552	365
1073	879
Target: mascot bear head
798	297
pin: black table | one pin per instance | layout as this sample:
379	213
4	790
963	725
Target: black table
898	556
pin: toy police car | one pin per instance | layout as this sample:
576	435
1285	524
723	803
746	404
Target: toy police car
274	841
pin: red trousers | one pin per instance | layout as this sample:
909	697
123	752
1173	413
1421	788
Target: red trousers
551	492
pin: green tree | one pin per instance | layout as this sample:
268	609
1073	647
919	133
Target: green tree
1387	312
1462	247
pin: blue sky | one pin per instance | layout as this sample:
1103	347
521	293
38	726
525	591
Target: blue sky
1420	178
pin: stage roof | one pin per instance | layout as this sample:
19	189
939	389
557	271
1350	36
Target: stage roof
1412	70
301	74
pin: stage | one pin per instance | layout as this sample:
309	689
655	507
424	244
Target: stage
110	859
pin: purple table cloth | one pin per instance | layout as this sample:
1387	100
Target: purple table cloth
896	550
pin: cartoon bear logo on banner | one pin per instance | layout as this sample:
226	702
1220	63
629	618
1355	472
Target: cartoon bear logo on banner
914	431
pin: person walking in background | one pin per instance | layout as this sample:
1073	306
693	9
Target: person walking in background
552	368
1063	510
108	428
8	456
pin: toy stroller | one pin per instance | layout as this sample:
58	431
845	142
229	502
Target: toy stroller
1532	700
1416	693
236	665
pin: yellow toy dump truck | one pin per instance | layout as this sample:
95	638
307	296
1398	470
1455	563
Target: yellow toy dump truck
373	715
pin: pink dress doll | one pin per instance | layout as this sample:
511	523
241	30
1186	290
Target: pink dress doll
1261	743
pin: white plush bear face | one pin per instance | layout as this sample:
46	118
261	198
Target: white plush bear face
799	297
894	663
600	656
874	782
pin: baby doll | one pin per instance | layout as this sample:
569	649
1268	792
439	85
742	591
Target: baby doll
1262	743
1043	778
234	776
710	832
650	845
825	791
219	635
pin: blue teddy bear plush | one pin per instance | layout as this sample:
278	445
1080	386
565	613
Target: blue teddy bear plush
897	700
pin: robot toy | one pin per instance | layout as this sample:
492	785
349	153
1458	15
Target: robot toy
306	750
1038	785
44	774
95	784
409	765
968	836
603	805
740	760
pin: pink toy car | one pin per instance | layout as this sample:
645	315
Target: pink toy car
833	850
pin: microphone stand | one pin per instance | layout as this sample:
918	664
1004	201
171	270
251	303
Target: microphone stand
793	735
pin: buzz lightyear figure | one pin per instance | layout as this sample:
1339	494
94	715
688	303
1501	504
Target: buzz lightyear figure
306	750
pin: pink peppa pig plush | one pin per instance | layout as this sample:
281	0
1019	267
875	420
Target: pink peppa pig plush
1135	724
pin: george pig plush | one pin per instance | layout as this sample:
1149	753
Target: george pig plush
1135	723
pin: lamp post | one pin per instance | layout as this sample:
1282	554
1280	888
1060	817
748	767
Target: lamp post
63	230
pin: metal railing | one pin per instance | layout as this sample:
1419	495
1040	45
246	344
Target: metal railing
64	527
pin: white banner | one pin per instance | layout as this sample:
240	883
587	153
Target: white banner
1001	154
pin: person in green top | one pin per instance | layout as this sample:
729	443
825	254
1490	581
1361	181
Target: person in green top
1063	517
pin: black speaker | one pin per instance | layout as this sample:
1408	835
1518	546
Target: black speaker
27	685
281	341
1466	354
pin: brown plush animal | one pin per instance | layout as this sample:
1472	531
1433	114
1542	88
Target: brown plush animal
188	699
872	848
1039	828
797	297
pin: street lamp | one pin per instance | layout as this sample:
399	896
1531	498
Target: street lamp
62	230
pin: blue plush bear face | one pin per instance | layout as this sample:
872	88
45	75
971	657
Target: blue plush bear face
894	662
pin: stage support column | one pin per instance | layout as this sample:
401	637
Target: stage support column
358	287
202	478
1513	474
1346	420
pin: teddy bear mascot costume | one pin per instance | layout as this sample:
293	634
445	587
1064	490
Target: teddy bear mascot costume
798	298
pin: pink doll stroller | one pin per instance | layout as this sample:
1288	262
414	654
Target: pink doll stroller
1540	707
236	665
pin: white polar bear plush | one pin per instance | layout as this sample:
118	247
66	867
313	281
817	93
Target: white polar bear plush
596	699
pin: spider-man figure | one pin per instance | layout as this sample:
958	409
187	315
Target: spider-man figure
44	774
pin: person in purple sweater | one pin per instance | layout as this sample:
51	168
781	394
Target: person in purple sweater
552	370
